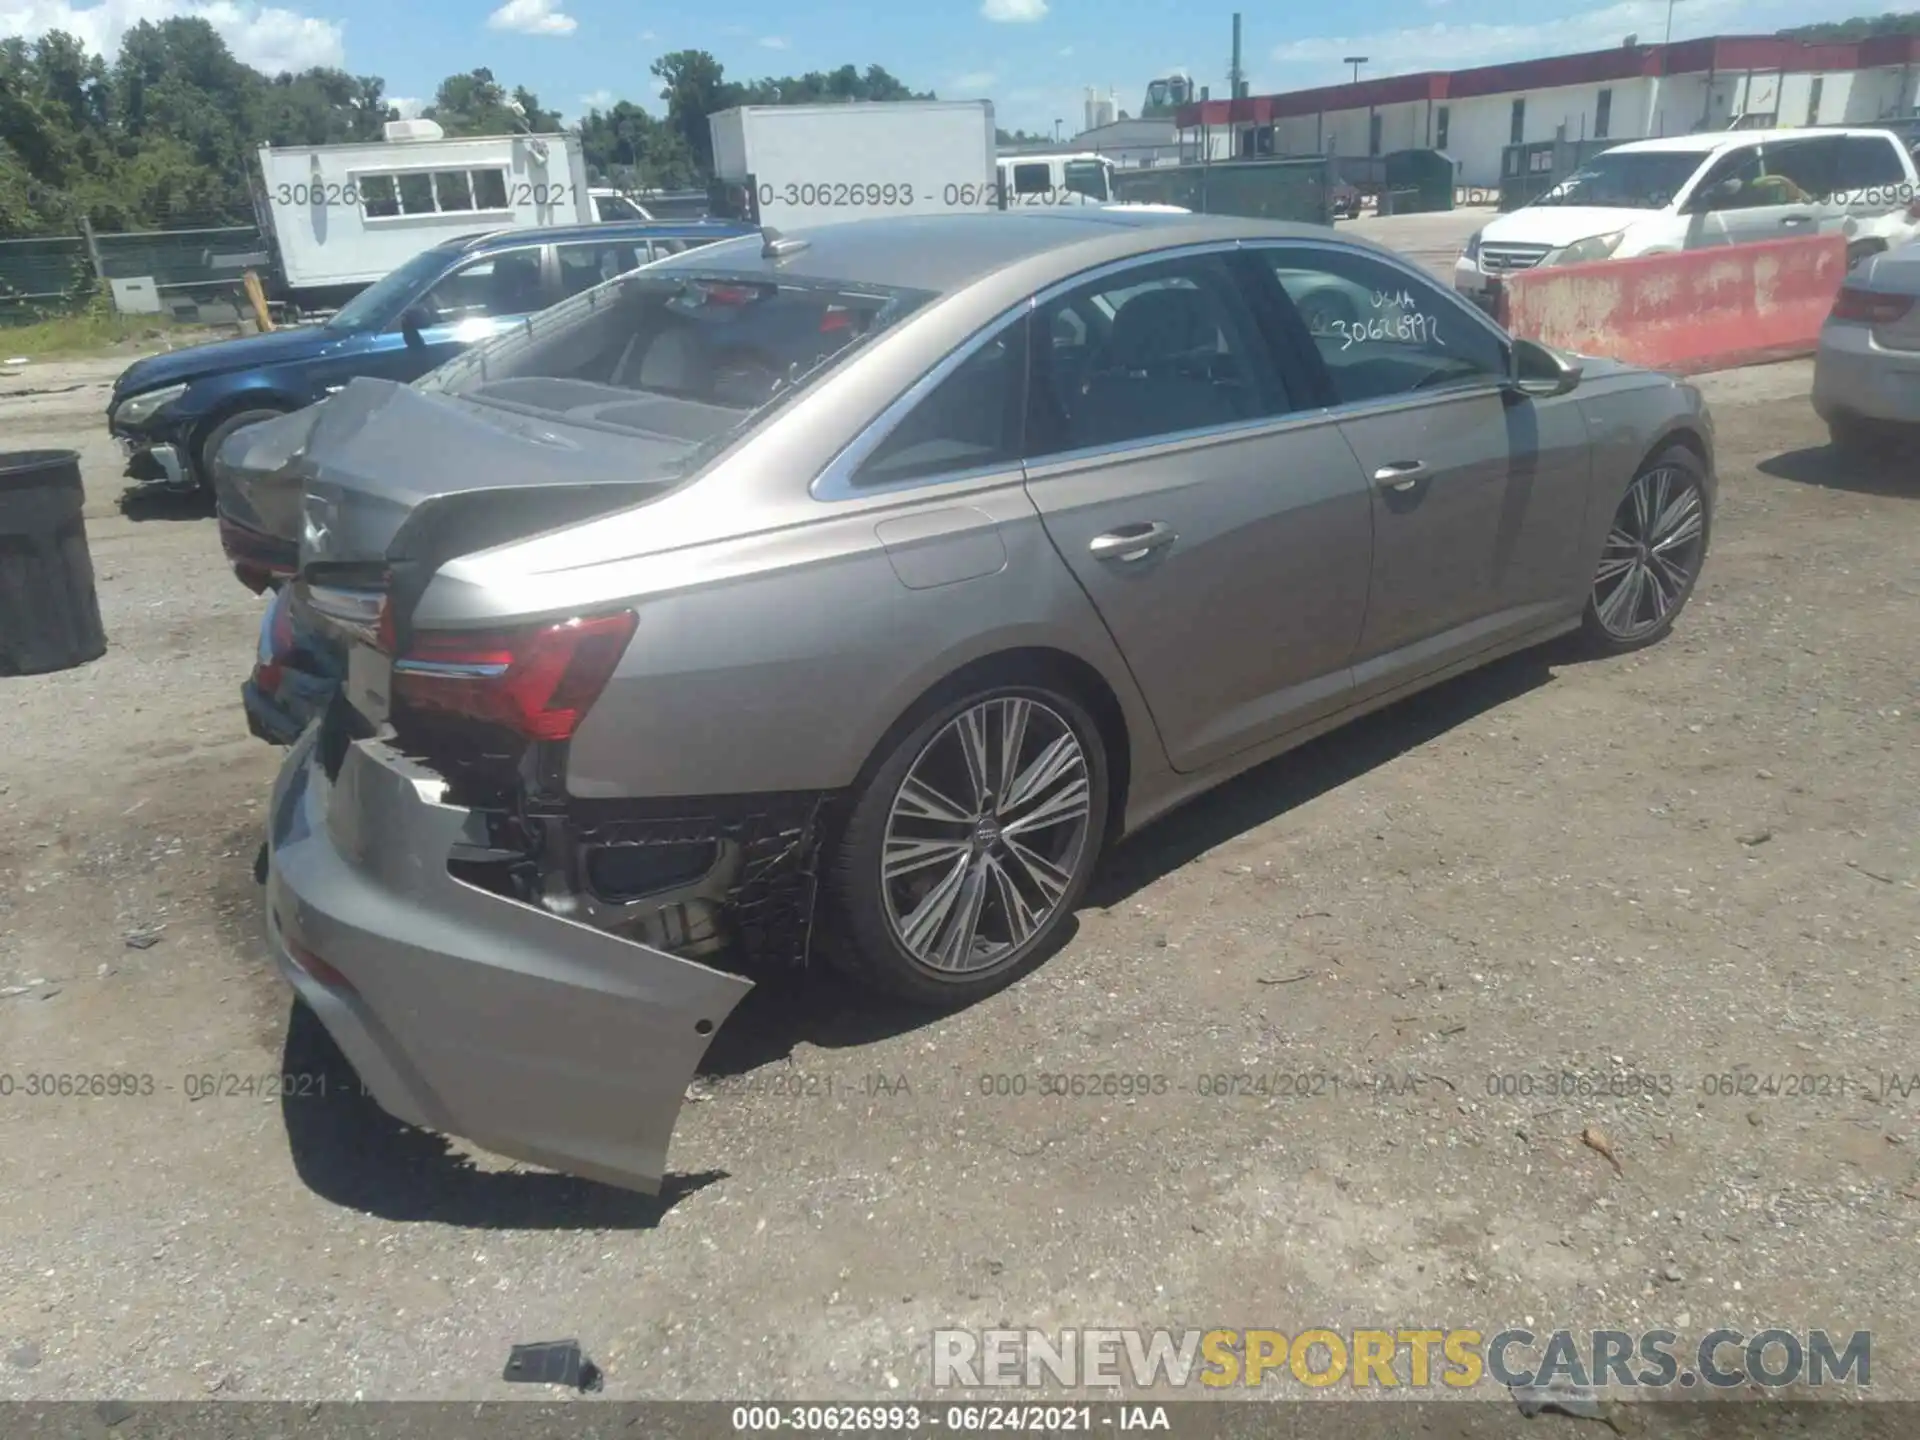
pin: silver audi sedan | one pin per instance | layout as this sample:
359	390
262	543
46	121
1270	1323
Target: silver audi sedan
1866	373
854	590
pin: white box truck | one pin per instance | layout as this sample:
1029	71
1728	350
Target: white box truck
342	216
783	165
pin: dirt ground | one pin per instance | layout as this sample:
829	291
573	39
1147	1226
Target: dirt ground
1692	863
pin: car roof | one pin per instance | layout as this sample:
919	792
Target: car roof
1719	139
483	240
944	253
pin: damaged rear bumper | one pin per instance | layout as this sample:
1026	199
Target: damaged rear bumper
464	1011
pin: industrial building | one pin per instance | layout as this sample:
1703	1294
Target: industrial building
1629	93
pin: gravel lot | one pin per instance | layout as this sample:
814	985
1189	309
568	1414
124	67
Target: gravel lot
1687	863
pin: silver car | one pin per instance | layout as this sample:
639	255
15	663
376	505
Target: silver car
855	590
1866	373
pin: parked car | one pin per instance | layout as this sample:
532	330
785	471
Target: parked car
171	413
1866	373
1652	197
1079	520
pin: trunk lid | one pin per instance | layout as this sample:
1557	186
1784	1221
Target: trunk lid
397	481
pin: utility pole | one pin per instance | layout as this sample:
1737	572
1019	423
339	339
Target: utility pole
1236	77
1356	61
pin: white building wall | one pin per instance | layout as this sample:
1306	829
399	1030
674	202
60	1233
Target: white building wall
1480	126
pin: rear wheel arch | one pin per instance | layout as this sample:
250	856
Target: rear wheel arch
1029	664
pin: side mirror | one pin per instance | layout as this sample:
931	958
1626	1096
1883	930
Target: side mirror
1541	372
413	320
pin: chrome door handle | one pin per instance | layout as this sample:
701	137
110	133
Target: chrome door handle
1133	542
1798	220
1401	475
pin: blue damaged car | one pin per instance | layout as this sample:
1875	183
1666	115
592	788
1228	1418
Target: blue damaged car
171	413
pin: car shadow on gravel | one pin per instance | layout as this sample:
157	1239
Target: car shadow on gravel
1321	765
349	1151
1880	473
141	502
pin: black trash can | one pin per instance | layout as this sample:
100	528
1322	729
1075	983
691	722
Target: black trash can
49	613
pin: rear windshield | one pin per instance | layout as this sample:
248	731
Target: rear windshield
1627	179
684	355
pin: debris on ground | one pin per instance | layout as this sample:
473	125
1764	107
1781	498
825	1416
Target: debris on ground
552	1362
1596	1141
1581	1404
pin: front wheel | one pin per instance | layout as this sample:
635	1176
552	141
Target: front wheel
1652	556
970	844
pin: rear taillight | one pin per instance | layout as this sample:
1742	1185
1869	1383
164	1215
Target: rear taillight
538	683
317	968
835	318
1869	307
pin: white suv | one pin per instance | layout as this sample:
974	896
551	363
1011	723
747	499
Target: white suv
1651	197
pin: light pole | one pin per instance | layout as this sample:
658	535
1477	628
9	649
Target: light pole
1356	61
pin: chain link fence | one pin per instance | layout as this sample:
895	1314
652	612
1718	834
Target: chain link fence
192	274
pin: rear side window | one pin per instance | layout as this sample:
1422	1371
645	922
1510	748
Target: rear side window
972	420
1867	162
584	266
1159	350
1797	172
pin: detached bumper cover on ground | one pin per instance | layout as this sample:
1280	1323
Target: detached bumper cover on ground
465	1012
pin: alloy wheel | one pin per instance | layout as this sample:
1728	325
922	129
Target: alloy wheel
986	834
1652	554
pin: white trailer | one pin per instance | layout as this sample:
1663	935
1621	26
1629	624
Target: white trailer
784	165
342	216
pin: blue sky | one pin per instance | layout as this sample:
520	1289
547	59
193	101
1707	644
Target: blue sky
1032	58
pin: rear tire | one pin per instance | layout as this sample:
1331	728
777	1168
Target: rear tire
969	845
1652	557
216	437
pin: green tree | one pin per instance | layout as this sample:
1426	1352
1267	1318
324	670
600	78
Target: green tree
1861	27
477	104
626	147
695	88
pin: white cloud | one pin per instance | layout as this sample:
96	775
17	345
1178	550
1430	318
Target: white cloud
407	106
1441	46
1013	12
1066	50
648	35
265	37
532	17
974	80
598	100
773	42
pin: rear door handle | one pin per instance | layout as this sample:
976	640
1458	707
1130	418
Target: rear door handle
1401	475
1798	220
1132	542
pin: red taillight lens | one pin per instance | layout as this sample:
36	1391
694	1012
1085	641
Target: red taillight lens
537	683
1869	307
836	319
319	969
